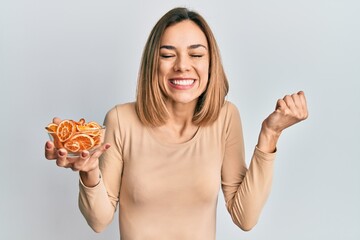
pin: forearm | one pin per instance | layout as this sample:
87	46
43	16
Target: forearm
246	206
96	205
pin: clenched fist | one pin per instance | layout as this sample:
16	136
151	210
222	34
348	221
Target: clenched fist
289	110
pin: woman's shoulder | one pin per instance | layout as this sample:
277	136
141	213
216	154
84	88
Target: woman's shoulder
123	112
122	108
228	109
229	115
128	107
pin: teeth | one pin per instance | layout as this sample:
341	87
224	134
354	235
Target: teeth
182	82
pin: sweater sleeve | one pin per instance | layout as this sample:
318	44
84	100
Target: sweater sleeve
98	204
245	189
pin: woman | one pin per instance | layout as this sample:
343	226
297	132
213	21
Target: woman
166	155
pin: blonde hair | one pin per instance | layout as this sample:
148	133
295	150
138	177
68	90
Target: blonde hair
150	100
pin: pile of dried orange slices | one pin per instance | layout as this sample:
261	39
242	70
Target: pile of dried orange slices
75	136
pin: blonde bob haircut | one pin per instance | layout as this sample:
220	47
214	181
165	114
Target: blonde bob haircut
150	99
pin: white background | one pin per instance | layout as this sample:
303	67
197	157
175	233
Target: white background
77	58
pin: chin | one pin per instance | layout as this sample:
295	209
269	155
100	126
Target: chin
183	100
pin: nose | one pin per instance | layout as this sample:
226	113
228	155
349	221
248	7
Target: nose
182	64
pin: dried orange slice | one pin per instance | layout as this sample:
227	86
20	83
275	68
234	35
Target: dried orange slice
65	130
80	128
81	122
85	141
72	146
91	128
97	140
93	125
58	144
51	127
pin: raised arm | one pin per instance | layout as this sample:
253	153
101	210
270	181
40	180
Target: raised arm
246	190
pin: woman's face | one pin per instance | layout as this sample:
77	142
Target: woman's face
183	63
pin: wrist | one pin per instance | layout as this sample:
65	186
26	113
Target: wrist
90	178
268	139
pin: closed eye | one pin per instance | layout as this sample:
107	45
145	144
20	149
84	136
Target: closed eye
197	55
166	56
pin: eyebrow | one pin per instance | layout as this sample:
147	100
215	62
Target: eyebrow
194	46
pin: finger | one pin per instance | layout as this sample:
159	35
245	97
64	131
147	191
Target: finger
95	156
101	150
61	160
87	161
303	104
281	105
296	99
50	151
290	102
81	161
56	120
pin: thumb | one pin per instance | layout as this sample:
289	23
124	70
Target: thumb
56	120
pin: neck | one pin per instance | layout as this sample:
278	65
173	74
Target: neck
180	114
179	125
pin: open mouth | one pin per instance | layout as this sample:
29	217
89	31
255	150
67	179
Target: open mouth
182	82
